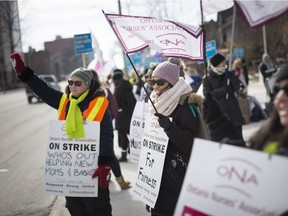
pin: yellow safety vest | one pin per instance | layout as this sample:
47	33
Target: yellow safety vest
94	112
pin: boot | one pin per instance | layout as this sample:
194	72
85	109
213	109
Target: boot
123	157
122	183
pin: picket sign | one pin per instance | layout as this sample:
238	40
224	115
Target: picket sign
227	180
151	162
70	163
136	129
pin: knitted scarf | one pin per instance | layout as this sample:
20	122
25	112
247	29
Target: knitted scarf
74	121
168	100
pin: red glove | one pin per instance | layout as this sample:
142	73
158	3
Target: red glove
17	63
104	173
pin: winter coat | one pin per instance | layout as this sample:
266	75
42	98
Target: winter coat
113	106
266	73
126	101
181	137
52	98
217	86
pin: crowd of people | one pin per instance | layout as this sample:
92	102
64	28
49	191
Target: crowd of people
178	108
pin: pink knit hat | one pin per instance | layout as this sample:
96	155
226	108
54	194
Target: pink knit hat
167	71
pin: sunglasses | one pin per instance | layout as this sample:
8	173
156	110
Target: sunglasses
277	88
159	82
77	83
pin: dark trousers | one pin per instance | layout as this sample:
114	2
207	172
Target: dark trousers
90	206
123	139
116	167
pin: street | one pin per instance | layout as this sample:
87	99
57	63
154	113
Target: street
23	131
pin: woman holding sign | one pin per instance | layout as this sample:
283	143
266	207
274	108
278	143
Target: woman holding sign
176	107
81	102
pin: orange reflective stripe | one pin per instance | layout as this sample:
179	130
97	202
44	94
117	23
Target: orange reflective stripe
96	109
62	106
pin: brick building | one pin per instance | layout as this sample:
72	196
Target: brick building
58	57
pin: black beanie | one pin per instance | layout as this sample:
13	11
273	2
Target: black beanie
117	74
282	74
217	59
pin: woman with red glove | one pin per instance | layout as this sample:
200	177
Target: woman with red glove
73	106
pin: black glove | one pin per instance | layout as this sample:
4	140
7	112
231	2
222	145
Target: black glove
212	110
164	121
229	89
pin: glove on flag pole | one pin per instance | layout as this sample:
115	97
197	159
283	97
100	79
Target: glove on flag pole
172	39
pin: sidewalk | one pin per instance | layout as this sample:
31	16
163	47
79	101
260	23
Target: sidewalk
123	202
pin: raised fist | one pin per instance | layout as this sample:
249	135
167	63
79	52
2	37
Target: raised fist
17	63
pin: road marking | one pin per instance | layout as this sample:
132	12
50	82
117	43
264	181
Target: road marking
3	170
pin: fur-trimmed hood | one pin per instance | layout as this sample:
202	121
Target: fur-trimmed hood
192	98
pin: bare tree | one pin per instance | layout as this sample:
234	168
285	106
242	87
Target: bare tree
10	40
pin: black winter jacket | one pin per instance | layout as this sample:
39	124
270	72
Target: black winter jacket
181	137
126	101
216	85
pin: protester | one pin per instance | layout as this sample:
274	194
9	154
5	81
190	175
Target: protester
147	85
273	135
173	98
222	85
126	101
266	67
113	107
245	70
239	72
74	106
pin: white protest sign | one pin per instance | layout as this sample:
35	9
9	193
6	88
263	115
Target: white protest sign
227	180
151	162
70	163
136	129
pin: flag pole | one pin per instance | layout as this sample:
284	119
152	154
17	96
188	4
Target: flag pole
232	38
204	38
264	38
141	82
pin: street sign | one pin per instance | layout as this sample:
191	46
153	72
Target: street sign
238	52
83	43
210	49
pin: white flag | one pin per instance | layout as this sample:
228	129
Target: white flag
261	11
215	6
170	38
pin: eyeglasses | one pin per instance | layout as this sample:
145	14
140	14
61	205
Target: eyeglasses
77	83
159	82
277	88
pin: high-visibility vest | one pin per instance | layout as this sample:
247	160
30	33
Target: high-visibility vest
94	112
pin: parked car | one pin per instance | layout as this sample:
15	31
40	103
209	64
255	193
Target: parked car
50	79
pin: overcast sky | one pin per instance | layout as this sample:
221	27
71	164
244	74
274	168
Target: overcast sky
42	20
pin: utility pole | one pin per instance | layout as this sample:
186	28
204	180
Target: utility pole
123	53
119	7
